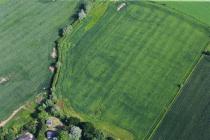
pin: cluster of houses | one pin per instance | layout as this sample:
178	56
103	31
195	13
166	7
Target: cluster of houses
53	124
51	133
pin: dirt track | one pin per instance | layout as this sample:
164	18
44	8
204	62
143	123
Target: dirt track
3	123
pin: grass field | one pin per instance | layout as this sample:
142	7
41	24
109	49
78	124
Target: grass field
196	9
125	69
28	29
189	118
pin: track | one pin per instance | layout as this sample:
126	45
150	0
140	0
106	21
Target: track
3	123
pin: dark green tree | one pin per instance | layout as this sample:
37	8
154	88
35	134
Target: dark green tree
63	135
10	135
2	133
110	138
68	121
30	127
89	132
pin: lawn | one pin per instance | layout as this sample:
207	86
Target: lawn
124	69
28	29
189	117
199	10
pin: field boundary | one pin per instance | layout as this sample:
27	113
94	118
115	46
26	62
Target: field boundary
169	106
188	74
184	14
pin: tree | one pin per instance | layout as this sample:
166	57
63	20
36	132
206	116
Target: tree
40	129
2	133
67	29
74	121
206	52
75	133
88	5
30	127
99	135
63	135
68	121
55	112
49	103
89	132
110	138
81	14
10	135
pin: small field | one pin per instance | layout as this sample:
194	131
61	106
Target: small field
126	67
198	10
28	29
189	117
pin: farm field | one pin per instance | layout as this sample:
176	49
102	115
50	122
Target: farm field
196	9
124	69
189	117
28	29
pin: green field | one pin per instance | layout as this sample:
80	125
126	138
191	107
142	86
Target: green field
125	68
198	10
28	29
189	118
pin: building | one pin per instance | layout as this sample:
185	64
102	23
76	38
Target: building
121	6
51	135
54	53
53	123
26	136
49	122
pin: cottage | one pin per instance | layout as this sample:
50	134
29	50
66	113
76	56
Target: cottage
51	135
53	123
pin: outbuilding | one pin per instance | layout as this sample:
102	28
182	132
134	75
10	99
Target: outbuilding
121	6
26	136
